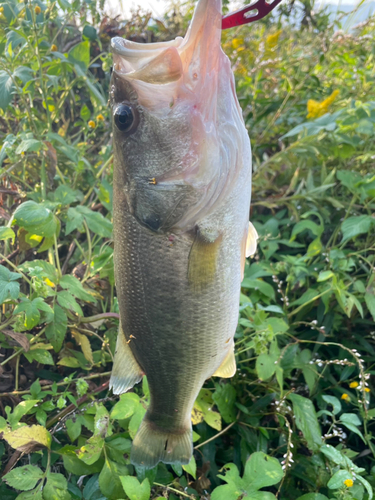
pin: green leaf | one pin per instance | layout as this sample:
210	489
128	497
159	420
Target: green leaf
367	485
351	421
6	89
126	407
32	145
76	288
136	420
307	421
80	54
227	492
134	489
40	355
24	478
265	366
337	480
261	471
31	310
73	428
31	495
191	468
56	330
28	439
260	285
92	450
308	225
75	466
9	288
21	409
203	405
56	488
331	400
96	222
334	455
109	479
66	300
36	219
356	225
313	496
225	398
325	275
7	234
370	303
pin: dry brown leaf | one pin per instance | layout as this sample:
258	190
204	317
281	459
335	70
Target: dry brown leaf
20	338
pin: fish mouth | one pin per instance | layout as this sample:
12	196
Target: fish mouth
166	62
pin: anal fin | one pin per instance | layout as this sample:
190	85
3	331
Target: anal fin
203	260
228	367
126	371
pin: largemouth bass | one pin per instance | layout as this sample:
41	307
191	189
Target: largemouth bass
182	185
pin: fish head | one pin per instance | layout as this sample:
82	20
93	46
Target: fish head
178	131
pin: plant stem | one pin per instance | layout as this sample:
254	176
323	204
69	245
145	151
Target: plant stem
175	491
216	435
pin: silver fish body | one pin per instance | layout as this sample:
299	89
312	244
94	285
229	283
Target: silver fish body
182	185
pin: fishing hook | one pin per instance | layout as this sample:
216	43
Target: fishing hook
250	13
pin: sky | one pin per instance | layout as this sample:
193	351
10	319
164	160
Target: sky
158	7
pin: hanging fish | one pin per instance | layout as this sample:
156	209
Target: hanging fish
182	185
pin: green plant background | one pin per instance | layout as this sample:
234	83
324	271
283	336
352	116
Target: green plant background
296	421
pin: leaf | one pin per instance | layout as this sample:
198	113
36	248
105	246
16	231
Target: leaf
31	495
31	145
96	222
31	310
307	421
351	421
73	428
20	338
8	286
227	492
109	479
334	402
126	407
370	303
325	275
92	450
134	489
313	496
56	330
204	404
136	420
337	480
75	466
265	288
69	361
191	468
24	478
56	488
7	234
261	471
334	455
225	398
304	225
84	342
28	439
21	409
75	287
6	89
367	485
80	54
36	219
353	226
265	366
40	355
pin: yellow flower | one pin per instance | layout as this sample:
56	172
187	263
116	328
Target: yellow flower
367	389
316	109
100	118
49	283
353	385
271	40
92	124
23	153
345	397
53	48
1	10
348	482
237	42
37	10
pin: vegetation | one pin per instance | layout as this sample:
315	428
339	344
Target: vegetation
297	420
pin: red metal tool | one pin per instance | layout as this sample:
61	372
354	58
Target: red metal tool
250	13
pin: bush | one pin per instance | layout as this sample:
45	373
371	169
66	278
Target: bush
296	420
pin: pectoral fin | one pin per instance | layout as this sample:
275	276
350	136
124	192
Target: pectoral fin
126	371
203	260
251	242
249	246
228	367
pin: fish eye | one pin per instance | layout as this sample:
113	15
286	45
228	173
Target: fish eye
125	118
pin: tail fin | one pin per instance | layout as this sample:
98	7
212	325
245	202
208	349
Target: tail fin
152	445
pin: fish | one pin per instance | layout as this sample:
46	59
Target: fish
181	191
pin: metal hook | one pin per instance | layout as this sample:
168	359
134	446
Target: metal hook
249	13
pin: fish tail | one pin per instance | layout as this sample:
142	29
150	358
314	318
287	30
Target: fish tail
152	445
